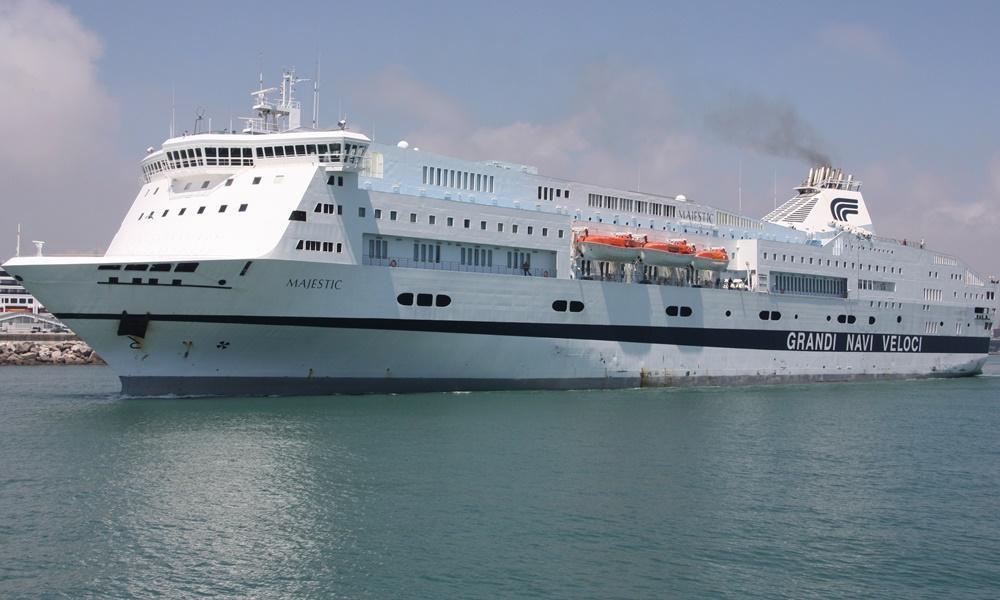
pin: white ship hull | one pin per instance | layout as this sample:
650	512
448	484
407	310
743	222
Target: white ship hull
289	327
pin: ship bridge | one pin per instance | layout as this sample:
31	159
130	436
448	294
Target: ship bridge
273	136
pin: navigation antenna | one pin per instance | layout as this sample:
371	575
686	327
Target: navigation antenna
18	240
199	116
315	122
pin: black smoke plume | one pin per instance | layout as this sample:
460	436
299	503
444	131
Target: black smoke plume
769	127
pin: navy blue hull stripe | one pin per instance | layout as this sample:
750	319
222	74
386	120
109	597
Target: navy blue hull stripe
751	339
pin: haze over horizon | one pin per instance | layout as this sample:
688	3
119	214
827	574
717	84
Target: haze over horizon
670	98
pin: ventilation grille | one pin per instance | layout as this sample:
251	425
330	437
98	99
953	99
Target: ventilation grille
795	210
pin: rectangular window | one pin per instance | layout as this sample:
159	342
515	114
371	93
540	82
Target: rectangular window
413	217
361	211
500	227
530	229
256	180
431	219
392	215
378	213
222	208
467	223
513	228
482	225
243	207
451	221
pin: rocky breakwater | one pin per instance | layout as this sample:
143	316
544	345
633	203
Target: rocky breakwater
47	353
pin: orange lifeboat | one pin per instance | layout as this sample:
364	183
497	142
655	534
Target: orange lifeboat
673	253
716	259
614	248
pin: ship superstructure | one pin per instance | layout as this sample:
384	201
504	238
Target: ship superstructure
284	260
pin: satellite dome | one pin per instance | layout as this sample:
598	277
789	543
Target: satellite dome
403	144
681	198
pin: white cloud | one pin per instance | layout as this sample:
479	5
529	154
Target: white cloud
59	164
620	122
862	42
953	216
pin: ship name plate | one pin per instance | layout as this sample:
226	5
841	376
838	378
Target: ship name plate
315	284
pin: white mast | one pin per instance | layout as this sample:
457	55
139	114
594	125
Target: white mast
18	253
315	122
740	186
173	107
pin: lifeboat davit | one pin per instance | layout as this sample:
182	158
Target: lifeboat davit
716	259
675	253
613	248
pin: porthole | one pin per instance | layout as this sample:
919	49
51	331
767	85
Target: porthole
764	315
796	316
827	317
775	315
686	311
406	299
841	318
575	306
442	300
425	299
871	320
672	311
729	313
851	319
559	305
899	319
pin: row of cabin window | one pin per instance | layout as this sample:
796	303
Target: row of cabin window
877	286
769	315
428	253
808	284
835	263
183	210
629	205
218	156
461	180
319	246
152	281
683	311
547	193
477	257
17	301
184	267
562	305
439	300
466	223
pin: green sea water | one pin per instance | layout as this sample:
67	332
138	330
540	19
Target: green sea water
877	490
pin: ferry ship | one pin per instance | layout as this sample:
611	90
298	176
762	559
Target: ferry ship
288	260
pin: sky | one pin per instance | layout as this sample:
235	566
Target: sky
697	98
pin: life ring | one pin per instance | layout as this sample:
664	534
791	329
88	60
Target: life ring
545	273
392	263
